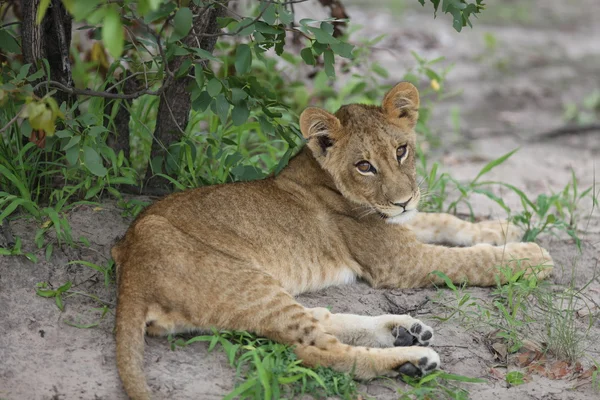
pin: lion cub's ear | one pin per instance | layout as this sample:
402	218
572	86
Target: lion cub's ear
320	128
402	102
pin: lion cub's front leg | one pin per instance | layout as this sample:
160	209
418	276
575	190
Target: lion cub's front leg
438	228
375	331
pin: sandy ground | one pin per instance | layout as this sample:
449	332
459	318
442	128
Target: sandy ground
508	97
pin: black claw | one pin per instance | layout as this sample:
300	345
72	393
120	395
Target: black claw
427	335
409	369
416	328
430	367
403	337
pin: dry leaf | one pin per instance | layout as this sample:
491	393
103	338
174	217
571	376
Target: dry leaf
588	373
537	368
527	357
38	137
500	349
586	311
558	370
496	373
532	345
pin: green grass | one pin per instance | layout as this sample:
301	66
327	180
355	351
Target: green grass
269	370
437	385
526	308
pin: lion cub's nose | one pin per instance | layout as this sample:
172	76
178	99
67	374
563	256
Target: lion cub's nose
403	205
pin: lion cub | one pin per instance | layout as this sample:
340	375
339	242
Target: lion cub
345	208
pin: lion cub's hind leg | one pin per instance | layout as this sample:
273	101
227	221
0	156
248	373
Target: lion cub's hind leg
377	331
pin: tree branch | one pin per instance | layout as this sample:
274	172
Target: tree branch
94	93
566	130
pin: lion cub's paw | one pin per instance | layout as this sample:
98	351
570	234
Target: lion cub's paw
407	331
427	361
498	232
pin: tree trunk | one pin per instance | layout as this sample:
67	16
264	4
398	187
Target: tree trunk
119	125
175	102
51	40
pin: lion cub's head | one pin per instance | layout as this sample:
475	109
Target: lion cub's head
370	151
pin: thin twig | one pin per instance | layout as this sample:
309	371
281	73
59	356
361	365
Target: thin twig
173	116
6	25
12	121
91	296
106	95
565	130
241	28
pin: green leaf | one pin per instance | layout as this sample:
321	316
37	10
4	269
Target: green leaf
41	11
247	173
82	326
379	70
199	75
72	154
241	389
243	59
36	75
515	378
59	302
72	142
97	129
319	48
238	95
64	287
269	15
93	191
45	292
285	16
112	33
493	197
202	102
240	114
327	27
93	161
245	26
214	87
461	378
23	71
444	278
308	56
343	49
492	164
321	36
328	59
222	108
8	43
63	133
225	21
204	54
266	28
183	21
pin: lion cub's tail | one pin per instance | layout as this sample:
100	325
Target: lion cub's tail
131	325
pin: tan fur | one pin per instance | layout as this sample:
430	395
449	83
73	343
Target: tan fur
232	256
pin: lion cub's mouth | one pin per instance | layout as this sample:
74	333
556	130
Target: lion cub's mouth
400	218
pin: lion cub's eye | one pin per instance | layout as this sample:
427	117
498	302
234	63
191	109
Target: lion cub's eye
401	152
365	167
